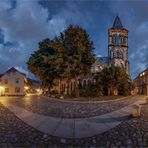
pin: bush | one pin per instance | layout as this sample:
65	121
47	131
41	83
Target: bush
90	90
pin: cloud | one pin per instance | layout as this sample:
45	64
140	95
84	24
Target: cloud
24	23
24	26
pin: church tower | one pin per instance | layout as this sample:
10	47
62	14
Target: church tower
118	45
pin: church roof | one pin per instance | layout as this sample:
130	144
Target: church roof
102	60
117	23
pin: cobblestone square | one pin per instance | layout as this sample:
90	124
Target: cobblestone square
132	132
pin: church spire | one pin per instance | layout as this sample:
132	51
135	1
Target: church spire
117	23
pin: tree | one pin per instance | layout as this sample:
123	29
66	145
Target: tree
80	51
38	65
93	88
125	86
66	56
115	78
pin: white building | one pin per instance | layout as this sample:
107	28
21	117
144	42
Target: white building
13	82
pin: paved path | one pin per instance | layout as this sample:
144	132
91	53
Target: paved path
72	128
55	108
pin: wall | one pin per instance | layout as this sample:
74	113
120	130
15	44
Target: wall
12	78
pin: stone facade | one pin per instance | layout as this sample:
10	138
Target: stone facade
141	83
117	49
69	87
117	56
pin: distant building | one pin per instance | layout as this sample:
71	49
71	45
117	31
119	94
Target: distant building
141	83
117	49
13	82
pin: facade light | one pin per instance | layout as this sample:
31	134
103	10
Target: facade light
26	87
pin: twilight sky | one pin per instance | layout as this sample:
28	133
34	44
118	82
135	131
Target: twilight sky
23	23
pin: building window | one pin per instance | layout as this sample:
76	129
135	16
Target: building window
17	80
118	54
6	90
5	81
114	54
17	89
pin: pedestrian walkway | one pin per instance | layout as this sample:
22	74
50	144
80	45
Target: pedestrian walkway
72	128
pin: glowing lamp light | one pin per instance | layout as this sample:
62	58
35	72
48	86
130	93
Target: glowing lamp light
39	91
142	74
1	90
26	87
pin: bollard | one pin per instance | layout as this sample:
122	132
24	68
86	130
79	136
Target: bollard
136	112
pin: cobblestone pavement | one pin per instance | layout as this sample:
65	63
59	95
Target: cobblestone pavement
15	133
132	133
55	108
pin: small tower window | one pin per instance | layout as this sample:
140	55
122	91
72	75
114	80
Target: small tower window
121	40
114	54
118	54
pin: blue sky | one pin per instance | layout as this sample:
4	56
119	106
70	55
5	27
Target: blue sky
23	23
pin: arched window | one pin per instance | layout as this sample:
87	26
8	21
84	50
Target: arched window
114	40
118	54
71	86
64	87
121	40
114	54
74	85
84	83
121	55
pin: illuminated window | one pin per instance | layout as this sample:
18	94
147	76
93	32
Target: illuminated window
6	90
